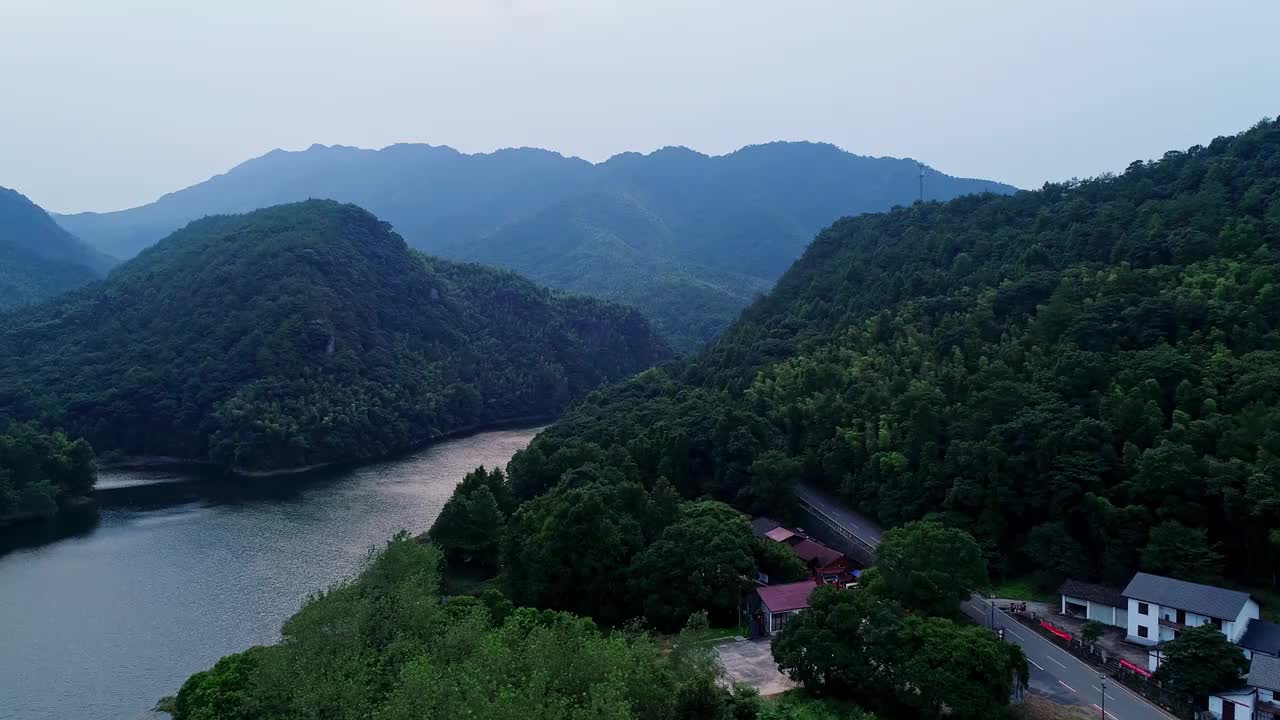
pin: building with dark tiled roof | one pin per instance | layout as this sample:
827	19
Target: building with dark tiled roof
1261	637
1161	607
1094	602
762	525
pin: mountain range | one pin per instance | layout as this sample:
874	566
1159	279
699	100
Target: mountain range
300	335
687	238
39	259
1086	377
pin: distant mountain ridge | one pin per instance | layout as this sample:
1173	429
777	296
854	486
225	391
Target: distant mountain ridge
38	258
688	238
304	334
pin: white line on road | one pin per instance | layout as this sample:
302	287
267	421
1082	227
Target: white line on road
1095	687
1066	686
1100	708
1033	662
1064	667
1011	632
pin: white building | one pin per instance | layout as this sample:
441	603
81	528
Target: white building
1161	607
1260	700
1094	602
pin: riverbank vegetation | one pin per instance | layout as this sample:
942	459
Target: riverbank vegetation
300	335
41	474
384	646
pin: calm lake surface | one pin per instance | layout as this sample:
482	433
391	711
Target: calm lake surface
183	568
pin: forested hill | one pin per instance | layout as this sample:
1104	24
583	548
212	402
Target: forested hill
688	238
1087	376
304	334
38	259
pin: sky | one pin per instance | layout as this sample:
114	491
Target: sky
108	105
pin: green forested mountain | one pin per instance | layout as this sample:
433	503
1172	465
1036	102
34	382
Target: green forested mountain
304	334
1086	377
38	259
687	238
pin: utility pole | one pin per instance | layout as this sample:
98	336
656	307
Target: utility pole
992	603
921	165
1102	680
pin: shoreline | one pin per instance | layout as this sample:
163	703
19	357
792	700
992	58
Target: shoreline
167	462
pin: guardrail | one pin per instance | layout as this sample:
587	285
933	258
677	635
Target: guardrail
865	546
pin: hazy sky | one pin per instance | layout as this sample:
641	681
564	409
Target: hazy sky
105	105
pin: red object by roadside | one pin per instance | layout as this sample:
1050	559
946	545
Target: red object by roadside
1130	666
1054	630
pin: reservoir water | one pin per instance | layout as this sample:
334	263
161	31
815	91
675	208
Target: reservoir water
182	568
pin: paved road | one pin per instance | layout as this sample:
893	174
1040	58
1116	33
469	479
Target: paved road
1055	672
1059	674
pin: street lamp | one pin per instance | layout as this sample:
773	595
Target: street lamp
1102	680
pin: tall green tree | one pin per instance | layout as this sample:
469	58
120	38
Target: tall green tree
471	524
571	549
929	568
702	562
1201	661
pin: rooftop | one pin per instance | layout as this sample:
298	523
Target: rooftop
1264	672
779	534
817	553
792	596
1261	636
1182	595
1093	593
762	525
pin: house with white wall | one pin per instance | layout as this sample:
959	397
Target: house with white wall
1087	601
1161	607
1258	700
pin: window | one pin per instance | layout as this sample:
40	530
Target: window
1142	608
779	620
1142	631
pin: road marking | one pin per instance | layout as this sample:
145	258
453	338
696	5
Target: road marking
1011	632
1064	667
1108	712
1109	697
1033	662
1066	686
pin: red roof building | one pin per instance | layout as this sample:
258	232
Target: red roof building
779	602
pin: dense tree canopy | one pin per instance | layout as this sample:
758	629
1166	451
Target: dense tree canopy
41	472
304	334
384	646
860	646
1082	376
703	561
